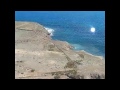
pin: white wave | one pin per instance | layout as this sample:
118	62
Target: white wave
50	30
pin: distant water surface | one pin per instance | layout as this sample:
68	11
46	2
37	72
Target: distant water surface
72	26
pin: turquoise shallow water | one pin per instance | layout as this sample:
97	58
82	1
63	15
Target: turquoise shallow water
72	26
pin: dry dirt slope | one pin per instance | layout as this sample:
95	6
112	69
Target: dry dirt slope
38	56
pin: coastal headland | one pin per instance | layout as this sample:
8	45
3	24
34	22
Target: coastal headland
38	56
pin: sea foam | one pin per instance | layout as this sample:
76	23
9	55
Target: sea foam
50	30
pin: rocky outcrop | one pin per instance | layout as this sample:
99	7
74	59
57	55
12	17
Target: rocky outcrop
37	56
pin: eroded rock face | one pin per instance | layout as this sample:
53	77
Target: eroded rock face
37	56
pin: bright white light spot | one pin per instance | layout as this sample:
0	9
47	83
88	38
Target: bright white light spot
92	29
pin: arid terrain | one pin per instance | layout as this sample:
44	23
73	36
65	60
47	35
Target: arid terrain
37	56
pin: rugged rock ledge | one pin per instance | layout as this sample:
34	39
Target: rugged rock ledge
37	56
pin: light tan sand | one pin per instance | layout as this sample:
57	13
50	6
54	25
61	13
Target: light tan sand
37	56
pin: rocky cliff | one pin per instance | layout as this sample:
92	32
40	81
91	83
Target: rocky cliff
37	56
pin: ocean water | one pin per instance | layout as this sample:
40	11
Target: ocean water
85	30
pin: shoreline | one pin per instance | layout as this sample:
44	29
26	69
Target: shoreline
101	57
98	56
36	53
51	31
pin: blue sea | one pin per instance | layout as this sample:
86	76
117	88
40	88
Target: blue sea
85	30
